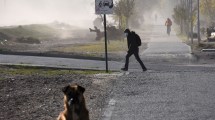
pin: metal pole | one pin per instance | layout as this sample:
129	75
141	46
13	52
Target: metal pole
105	31
187	19
198	25
191	19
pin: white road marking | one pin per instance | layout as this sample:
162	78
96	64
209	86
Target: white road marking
109	110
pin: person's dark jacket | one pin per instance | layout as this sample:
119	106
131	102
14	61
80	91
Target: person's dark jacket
132	44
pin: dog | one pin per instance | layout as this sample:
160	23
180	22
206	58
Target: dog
74	104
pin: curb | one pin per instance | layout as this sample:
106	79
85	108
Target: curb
52	67
59	55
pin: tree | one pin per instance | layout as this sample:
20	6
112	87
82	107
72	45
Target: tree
123	10
132	12
182	17
118	11
207	8
129	5
179	16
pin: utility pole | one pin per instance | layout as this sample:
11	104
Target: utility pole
191	19
187	18
199	38
104	7
105	34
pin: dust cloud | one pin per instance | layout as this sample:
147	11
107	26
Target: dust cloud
152	12
75	12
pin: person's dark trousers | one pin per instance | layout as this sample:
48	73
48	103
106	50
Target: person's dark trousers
136	54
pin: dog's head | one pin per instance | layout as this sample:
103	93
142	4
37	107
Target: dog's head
73	93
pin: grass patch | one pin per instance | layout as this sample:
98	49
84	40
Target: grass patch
203	45
183	37
195	46
21	70
2	79
98	47
34	30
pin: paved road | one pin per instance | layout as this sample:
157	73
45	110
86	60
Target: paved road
173	89
58	62
166	47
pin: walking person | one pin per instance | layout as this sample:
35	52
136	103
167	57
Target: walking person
168	24
133	41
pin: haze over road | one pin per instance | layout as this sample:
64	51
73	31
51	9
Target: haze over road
167	47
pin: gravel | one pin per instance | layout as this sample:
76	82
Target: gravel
39	97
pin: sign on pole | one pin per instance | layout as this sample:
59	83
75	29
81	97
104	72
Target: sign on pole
104	6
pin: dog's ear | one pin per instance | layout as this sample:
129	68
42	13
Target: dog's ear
64	89
81	89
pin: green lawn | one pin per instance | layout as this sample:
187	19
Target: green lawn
34	30
98	47
23	70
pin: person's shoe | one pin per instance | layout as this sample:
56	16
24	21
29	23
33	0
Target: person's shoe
124	69
144	70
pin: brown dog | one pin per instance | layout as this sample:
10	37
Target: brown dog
74	104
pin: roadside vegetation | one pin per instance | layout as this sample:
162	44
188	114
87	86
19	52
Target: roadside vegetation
195	46
94	48
37	31
53	38
46	72
183	19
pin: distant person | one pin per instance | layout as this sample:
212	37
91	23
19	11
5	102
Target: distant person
98	33
156	17
133	41
168	24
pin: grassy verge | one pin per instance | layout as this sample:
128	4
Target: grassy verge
195	46
22	70
203	45
183	38
94	48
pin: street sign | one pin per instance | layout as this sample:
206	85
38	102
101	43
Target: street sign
104	6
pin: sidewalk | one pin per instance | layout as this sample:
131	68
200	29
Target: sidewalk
163	46
52	62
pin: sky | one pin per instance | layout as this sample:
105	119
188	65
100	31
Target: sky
74	12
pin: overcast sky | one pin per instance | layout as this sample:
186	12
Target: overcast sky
76	12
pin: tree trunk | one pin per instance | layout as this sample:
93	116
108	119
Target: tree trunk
181	26
209	10
126	19
120	22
